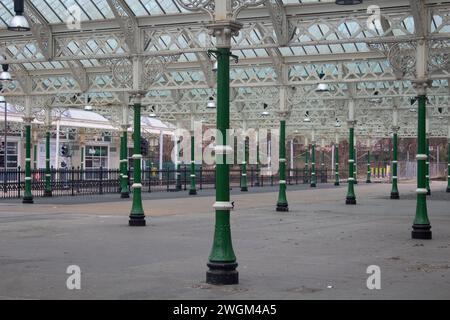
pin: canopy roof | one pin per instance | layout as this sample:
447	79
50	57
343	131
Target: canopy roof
343	42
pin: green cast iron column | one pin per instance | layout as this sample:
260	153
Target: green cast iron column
351	199
394	190
222	260
35	156
421	227
257	184
427	173
322	165
137	217
307	164
368	168
178	186
336	174
448	165
355	166
244	167
282	204
124	193
27	197
48	174
193	188
313	165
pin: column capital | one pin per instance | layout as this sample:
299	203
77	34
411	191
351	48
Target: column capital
28	120
421	86
137	95
395	128
351	123
223	31
284	115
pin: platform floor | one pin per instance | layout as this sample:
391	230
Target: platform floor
320	249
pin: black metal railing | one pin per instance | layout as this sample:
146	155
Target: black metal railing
76	181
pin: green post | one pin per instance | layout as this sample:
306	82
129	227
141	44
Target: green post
448	163
336	155
178	186
222	260
28	197
368	168
137	217
48	174
394	190
124	193
322	165
351	199
313	165
257	184
193	188
282	204
244	167
427	173
355	166
82	151
421	227
307	164
35	156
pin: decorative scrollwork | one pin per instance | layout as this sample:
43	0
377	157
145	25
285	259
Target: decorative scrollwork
439	55
401	56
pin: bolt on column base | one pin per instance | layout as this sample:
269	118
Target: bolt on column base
124	195
244	189
192	192
47	193
222	273
27	199
395	195
350	200
136	220
421	231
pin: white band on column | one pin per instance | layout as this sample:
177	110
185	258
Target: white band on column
27	178
394	161
223	150
351	160
394	177
421	157
282	160
124	160
136	156
125	177
421	191
27	159
282	182
222	205
351	179
192	175
244	174
136	185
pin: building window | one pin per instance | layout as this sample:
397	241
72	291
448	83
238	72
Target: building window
96	157
12	156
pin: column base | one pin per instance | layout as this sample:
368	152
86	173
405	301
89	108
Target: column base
244	189
27	199
222	273
368	181
124	195
395	195
355	182
448	189
428	192
336	183
136	220
313	185
257	184
192	192
283	207
421	231
350	200
47	193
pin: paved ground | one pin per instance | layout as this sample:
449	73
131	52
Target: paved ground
318	250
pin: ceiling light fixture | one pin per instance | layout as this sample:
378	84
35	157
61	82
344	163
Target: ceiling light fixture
19	22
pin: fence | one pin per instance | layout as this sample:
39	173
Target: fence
76	181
